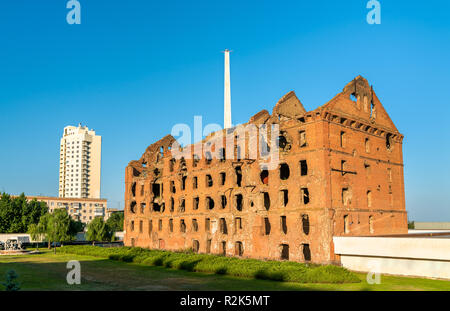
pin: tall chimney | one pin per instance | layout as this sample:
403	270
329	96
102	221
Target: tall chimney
227	94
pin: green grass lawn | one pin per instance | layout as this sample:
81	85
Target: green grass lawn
47	271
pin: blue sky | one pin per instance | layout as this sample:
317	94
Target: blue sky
133	69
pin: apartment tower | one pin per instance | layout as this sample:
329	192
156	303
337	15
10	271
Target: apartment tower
80	163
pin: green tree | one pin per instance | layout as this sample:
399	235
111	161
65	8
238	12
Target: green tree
98	230
11	284
55	227
115	221
17	214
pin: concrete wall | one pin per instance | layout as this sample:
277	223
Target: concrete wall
432	225
409	256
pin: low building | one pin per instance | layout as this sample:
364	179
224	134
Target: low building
431	225
82	209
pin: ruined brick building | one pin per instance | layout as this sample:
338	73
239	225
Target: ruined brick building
340	172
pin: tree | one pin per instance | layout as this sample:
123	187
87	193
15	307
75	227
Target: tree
11	284
17	214
115	221
98	230
55	227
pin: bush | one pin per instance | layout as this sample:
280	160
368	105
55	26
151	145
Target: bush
287	271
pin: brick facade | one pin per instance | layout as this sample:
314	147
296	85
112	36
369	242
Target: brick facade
340	172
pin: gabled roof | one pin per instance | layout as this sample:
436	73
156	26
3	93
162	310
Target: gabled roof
359	101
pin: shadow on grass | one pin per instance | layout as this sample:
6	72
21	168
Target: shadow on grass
49	272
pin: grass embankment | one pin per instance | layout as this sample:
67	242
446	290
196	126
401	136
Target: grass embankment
250	268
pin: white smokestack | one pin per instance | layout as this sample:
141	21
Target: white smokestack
227	94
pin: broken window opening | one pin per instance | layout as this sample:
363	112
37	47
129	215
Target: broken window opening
195	161
223	226
284	252
172	204
238	224
223	248
238	201
209	181
161	151
133	207
302	138
183	182
345	196
266	197
195	246
283	224
366	145
150	226
194	225
346	224
142	208
303	168
306	252
172	186
182	206
305	195
209	203
196	203
223	201
207	224
194	182
305	224
342	139
238	153
389	143
284	171
264	175
238	171
367	167
283	142
239	249
369	198
264	147
266	226
156	207
156	190
171	225
222	154
353	97
343	167
208	246
285	197
172	164
208	157
133	189
182	165
182	226
223	177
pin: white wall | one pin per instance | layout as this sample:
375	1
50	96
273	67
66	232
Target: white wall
409	256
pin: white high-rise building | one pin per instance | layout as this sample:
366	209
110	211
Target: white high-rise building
80	163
